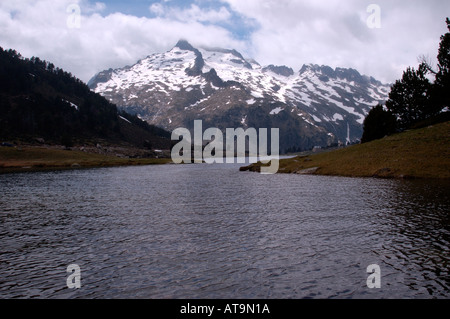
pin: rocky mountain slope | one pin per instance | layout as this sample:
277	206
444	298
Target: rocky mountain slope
316	105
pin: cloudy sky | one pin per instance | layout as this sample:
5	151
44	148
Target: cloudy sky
377	37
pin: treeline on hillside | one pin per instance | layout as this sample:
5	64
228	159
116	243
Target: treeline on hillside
414	101
39	99
134	119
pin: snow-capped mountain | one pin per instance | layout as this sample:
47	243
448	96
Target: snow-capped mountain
317	105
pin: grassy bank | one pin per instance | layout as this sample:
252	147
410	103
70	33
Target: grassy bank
40	158
420	153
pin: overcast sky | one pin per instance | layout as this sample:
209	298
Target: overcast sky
377	37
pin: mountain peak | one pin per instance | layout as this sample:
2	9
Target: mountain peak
184	45
225	89
280	70
324	69
348	74
230	56
222	50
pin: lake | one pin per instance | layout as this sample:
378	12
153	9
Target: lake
210	231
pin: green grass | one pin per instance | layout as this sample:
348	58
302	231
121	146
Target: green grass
40	158
420	153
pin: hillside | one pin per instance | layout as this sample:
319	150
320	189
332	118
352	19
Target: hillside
42	103
316	105
419	153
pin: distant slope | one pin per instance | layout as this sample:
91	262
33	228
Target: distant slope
420	153
39	100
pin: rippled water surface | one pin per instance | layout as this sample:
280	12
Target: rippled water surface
210	231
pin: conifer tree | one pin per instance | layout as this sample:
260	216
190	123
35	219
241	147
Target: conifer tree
378	123
409	99
442	83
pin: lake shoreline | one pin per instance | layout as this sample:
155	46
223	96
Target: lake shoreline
40	158
415	154
318	171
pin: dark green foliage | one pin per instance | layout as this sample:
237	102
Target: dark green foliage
378	124
134	119
414	100
442	83
409	99
38	99
66	140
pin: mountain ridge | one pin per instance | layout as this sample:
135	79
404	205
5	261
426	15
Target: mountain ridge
317	105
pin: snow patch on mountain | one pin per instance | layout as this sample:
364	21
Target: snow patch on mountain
122	118
276	111
72	104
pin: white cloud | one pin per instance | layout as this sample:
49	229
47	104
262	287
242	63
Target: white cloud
98	7
191	14
335	33
158	9
289	32
39	28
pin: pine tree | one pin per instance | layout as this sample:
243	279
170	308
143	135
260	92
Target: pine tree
442	83
378	123
409	99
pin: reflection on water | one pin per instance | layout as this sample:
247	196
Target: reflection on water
210	231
